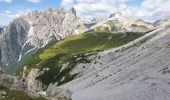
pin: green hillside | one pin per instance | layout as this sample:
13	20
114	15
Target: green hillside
69	49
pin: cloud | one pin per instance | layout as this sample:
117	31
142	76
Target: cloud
146	9
67	3
6	1
14	13
34	1
93	7
150	9
8	15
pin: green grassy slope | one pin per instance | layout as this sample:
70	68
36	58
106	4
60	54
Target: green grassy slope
88	42
69	49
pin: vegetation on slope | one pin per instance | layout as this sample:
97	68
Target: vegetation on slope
8	94
73	50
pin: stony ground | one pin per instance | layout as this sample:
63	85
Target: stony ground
136	71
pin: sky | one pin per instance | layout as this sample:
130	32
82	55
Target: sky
148	10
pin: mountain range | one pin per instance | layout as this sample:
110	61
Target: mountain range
61	56
35	30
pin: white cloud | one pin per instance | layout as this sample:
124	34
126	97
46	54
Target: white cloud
14	13
8	15
93	7
67	3
148	9
34	1
6	1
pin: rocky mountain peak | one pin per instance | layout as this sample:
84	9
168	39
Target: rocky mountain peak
116	14
35	13
35	30
72	11
112	15
94	20
50	9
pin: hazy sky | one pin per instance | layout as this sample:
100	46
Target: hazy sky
145	9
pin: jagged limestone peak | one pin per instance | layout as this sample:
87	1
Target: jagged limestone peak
35	30
72	11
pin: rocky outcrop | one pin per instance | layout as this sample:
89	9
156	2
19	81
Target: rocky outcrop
7	80
35	30
59	93
89	22
34	85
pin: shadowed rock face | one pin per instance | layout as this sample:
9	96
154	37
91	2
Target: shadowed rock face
35	30
12	39
72	11
0	55
1	30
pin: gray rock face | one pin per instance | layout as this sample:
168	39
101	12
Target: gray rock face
36	30
12	39
1	30
7	80
33	85
60	94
